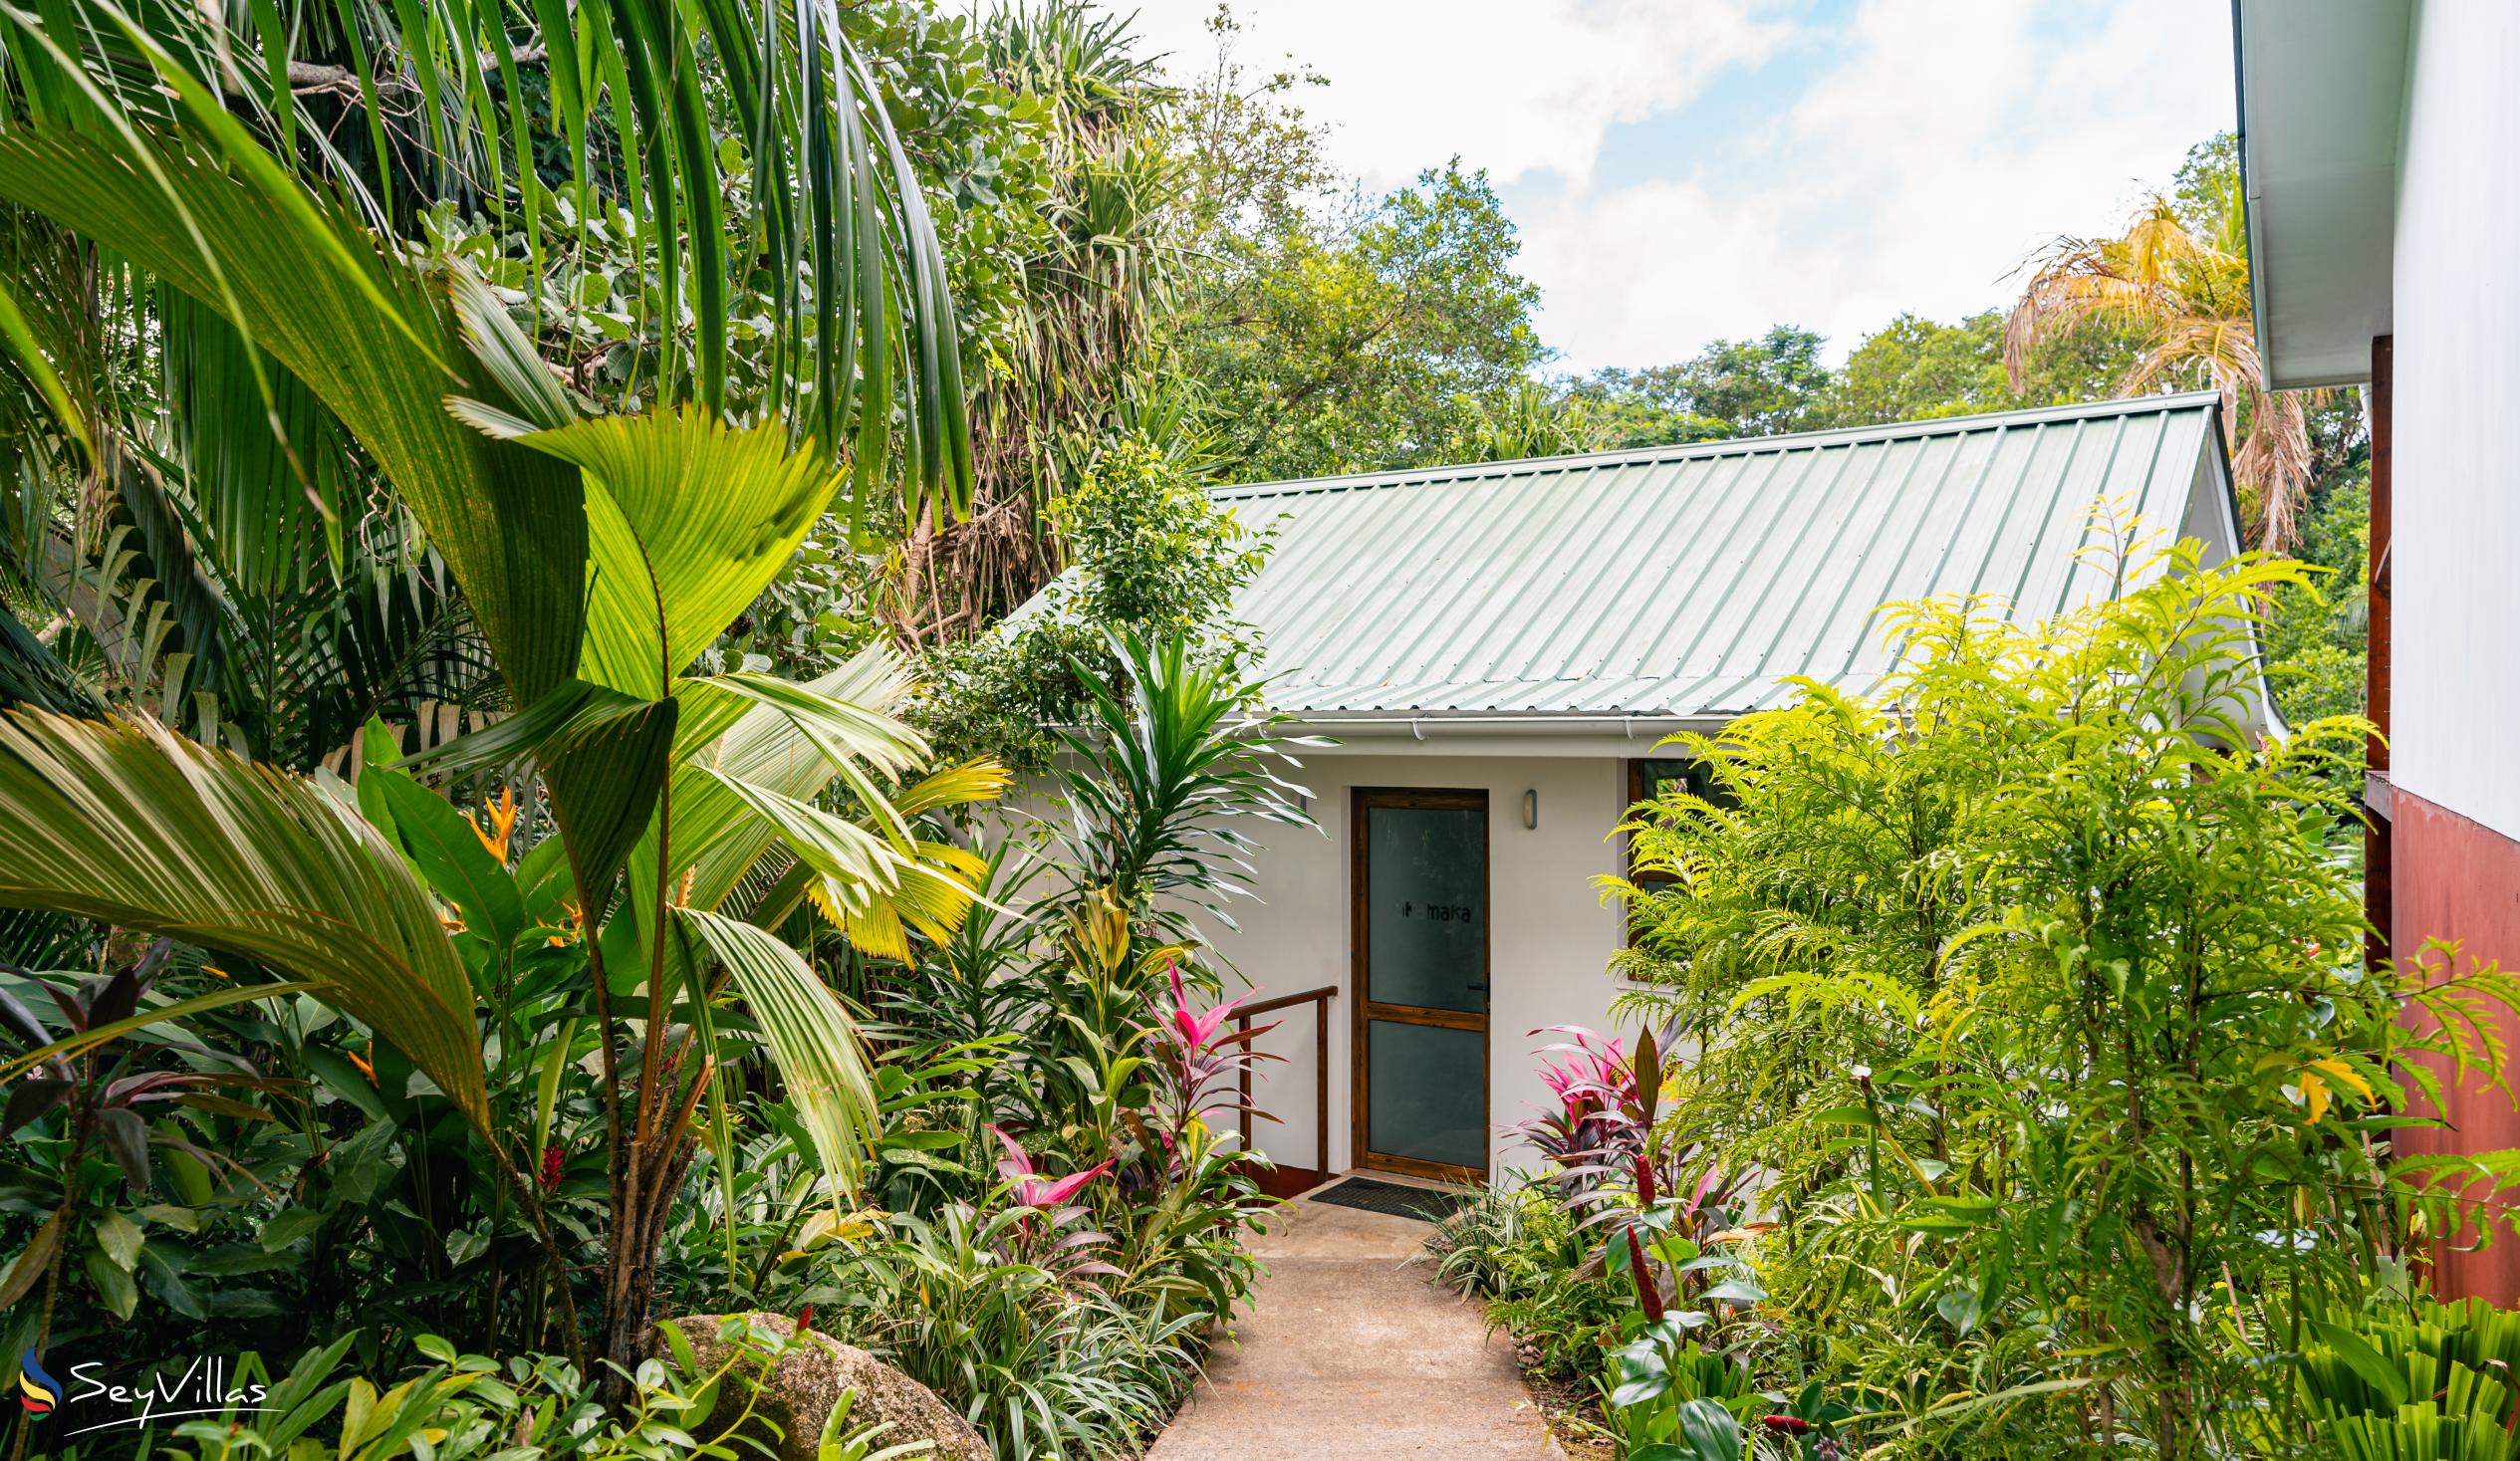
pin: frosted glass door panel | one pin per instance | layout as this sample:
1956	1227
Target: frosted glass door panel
1427	1094
1426	910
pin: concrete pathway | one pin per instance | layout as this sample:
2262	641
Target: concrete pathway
1345	1353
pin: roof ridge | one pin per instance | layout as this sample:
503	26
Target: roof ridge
1725	446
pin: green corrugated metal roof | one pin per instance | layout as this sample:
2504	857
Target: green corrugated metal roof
1690	581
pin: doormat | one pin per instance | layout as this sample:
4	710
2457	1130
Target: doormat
1426	1204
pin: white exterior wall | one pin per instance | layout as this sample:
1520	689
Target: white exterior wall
1549	944
2456	594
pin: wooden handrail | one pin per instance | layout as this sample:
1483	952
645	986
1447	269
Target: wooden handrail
1320	999
1326	992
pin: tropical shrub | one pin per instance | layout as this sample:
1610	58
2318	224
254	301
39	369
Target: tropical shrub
460	1407
1522	1250
2030	999
1054	1224
283	284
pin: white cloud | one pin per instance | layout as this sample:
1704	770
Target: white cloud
1940	143
1516	86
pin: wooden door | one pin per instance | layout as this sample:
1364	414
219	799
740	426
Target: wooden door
1418	953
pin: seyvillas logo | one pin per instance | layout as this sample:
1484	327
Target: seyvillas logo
37	1392
205	1387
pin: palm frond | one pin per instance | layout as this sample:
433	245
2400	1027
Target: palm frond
368	336
821	1058
838	218
127	824
2189	297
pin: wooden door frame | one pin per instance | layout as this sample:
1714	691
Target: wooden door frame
1361	1009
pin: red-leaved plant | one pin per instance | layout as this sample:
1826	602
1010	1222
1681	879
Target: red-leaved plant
1053	1234
1607	1157
1195	1065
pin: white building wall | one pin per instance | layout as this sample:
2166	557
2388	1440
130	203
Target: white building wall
1550	935
2457	695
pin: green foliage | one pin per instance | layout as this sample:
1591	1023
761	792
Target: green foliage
1914	368
1153	552
1188	743
1352	344
1042	1364
2031	993
1532	423
1520	1249
1067	238
1911	369
469	1407
2430	1385
2318	636
1732	387
131	824
1155	556
1044	1039
2201	188
356	1199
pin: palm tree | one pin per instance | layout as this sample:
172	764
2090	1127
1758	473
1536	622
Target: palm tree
219	572
264	183
1077	359
2188	296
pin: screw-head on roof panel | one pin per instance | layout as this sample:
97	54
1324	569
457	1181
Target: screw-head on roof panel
1689	582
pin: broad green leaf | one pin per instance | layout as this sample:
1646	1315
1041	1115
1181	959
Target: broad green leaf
604	792
688	520
1710	1432
1958	1307
2387	1377
376	747
290	1226
792	742
451	855
1742	1290
31	1261
127	824
113	1285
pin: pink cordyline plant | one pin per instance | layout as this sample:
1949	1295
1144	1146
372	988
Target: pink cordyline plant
1601	1135
1592	1075
1033	1190
1197	1064
1598	1125
1195	1030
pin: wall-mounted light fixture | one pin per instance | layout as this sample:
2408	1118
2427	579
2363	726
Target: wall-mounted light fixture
1531	810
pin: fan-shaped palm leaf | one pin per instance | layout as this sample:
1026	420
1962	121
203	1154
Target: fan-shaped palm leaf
688	518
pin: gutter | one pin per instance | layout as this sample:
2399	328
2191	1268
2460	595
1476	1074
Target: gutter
1444	725
2261	315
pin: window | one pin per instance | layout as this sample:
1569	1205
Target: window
1648	780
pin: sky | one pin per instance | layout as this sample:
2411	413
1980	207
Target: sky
1683	170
